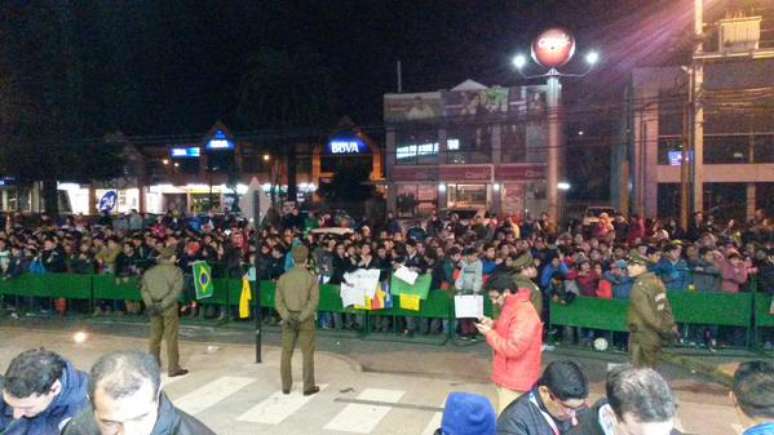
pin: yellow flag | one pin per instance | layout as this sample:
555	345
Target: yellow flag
244	299
409	302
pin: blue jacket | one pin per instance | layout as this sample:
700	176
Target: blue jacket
622	285
761	429
548	271
675	276
69	403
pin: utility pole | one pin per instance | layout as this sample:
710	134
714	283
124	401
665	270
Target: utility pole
697	109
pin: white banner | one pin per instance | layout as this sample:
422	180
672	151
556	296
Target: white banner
358	286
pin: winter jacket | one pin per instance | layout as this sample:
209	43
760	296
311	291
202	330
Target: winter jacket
548	272
517	342
68	404
674	275
622	285
588	283
733	277
762	429
525	416
54	261
706	277
171	421
471	278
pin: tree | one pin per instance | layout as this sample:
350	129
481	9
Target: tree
291	93
41	62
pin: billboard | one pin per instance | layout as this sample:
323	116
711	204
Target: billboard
476	103
412	107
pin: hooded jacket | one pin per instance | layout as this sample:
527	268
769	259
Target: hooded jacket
68	403
517	342
170	421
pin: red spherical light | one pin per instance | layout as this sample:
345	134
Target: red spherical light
553	48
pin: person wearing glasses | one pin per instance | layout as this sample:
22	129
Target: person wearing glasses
550	408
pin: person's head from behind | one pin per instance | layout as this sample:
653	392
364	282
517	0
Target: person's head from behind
125	390
753	393
467	414
563	388
32	382
641	400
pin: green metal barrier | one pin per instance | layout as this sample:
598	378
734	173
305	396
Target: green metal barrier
594	313
109	287
762	317
746	310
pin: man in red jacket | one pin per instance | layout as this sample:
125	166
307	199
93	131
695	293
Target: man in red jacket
517	341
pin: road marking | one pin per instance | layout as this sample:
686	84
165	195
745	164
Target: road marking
167	381
611	366
277	407
360	418
435	422
211	393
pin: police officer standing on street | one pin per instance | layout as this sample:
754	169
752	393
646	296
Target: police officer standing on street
650	320
297	297
161	287
525	273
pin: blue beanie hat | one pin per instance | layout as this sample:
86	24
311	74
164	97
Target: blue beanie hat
468	414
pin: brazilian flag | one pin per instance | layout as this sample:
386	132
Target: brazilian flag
203	280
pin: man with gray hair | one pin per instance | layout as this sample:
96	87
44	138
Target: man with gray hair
639	402
126	399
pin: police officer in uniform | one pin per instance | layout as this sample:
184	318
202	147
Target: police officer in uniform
297	297
160	288
525	273
650	320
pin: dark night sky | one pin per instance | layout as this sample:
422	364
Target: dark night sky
193	52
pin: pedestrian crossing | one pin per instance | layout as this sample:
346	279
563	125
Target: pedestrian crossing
244	405
253	407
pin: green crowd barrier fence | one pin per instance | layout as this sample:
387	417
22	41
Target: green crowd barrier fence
743	310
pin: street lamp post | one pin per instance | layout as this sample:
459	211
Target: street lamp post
553	49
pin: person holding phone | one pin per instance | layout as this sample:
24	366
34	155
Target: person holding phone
517	341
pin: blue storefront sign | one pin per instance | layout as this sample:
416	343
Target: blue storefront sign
108	201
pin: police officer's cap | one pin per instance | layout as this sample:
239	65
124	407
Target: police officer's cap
300	253
166	253
523	261
637	258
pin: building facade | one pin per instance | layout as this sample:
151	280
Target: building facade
212	172
470	148
731	156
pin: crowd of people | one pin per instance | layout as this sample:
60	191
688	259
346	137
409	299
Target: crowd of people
44	394
473	256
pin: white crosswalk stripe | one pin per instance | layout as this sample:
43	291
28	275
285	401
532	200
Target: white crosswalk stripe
211	393
435	421
277	407
362	418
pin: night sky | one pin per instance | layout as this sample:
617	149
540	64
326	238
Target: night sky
188	56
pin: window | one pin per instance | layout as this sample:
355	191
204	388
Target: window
671	112
726	149
763	149
513	138
469	144
668	149
416	199
467	196
416	147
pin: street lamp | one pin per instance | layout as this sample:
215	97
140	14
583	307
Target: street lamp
553	49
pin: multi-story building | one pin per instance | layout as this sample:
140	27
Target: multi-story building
473	147
731	117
